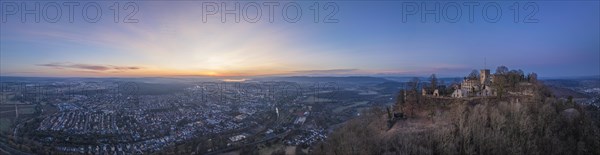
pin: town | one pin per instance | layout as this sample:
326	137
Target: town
125	116
106	117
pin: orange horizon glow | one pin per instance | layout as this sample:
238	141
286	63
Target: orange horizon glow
161	72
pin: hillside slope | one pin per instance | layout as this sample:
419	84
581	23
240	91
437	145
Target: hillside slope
512	125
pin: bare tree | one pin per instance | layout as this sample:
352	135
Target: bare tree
414	84
532	77
433	79
500	83
502	70
474	75
400	100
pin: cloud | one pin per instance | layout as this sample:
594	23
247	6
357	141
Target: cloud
89	67
17	73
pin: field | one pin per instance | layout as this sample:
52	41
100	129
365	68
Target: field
4	99
316	100
23	109
7	114
342	108
5	124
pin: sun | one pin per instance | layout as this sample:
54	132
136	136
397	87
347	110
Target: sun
212	73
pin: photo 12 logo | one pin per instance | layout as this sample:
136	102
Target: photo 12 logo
253	12
70	11
453	12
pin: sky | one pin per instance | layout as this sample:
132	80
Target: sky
333	38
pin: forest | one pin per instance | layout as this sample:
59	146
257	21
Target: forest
536	124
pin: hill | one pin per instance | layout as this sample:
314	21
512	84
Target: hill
537	124
324	79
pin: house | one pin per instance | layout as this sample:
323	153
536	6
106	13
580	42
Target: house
459	93
237	138
436	93
476	86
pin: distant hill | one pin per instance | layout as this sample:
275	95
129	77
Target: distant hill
108	79
349	79
390	87
408	78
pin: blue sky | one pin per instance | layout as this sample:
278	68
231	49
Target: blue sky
170	39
